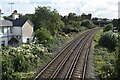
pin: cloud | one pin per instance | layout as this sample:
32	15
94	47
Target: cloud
99	8
22	6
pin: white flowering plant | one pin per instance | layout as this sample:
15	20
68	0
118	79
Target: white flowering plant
23	59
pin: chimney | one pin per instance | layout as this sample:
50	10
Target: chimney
15	15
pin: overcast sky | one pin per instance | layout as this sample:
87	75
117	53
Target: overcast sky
98	8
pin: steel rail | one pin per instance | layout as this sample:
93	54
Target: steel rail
65	54
73	42
54	76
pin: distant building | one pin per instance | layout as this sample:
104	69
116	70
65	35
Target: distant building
16	31
101	22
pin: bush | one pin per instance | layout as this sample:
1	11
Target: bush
87	23
108	40
118	59
43	36
23	59
104	60
69	29
108	27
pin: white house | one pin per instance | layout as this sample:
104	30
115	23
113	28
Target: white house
16	31
5	33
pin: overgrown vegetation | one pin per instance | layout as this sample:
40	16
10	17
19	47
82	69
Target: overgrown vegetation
105	55
118	59
47	18
44	36
22	60
116	24
108	27
108	40
52	32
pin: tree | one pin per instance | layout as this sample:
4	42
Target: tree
43	36
116	23
46	18
118	27
109	40
95	18
65	19
87	23
108	27
72	16
89	16
26	16
84	16
118	59
7	17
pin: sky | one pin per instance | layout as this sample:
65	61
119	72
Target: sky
98	8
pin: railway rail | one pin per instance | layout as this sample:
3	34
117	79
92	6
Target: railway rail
71	62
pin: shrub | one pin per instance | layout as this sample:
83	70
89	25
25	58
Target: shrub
69	29
108	40
87	23
43	36
22	59
108	27
118	59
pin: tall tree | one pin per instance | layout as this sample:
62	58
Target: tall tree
48	19
118	25
72	16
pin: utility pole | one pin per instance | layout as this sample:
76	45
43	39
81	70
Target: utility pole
0	14
11	6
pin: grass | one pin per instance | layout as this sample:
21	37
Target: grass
61	40
97	37
104	60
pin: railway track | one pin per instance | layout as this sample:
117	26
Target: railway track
71	62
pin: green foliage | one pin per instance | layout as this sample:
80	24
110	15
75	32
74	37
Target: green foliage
87	23
23	59
73	17
108	27
76	23
26	16
118	59
84	16
104	60
44	36
46	18
116	23
23	75
68	29
108	40
104	63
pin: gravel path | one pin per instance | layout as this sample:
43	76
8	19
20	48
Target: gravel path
90	74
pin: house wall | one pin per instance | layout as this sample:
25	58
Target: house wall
27	31
7	35
17	31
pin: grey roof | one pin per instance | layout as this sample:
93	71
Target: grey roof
5	23
19	22
16	22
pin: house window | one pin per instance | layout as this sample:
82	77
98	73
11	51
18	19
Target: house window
2	30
